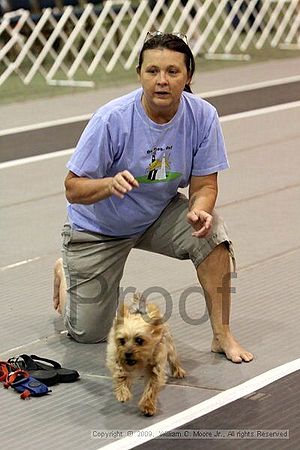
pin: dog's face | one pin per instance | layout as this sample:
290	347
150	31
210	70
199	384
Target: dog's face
137	336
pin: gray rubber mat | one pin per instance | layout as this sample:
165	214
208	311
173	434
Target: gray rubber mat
254	421
259	200
66	417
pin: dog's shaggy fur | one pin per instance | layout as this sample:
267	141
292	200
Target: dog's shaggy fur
139	343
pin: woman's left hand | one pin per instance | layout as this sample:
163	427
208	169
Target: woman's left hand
201	221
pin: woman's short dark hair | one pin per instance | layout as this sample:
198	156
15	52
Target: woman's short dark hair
171	42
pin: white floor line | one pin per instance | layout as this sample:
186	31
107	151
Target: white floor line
47	124
199	410
260	111
223	119
250	87
19	263
11	351
33	159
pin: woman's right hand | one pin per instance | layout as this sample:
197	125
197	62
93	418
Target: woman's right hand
122	183
86	191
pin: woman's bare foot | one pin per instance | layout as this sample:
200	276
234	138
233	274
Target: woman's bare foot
59	289
231	348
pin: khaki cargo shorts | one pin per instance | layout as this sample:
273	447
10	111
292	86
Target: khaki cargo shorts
94	265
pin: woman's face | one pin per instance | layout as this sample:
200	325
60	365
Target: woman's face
163	76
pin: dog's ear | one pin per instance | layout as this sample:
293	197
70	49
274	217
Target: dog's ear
157	328
153	311
154	315
123	311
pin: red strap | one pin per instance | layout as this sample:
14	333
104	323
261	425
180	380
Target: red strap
25	394
7	370
9	378
3	371
12	377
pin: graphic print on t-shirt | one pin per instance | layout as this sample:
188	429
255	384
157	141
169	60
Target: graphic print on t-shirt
159	168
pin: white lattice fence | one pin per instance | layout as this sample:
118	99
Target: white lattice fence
75	42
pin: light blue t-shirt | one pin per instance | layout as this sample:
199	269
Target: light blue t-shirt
120	136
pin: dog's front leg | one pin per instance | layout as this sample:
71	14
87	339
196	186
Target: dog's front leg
156	380
122	387
177	370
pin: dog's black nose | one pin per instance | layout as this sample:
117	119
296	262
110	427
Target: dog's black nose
128	354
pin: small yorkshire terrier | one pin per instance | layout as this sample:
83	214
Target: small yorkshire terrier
139	343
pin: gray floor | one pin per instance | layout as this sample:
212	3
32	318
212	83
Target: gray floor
259	199
260	407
